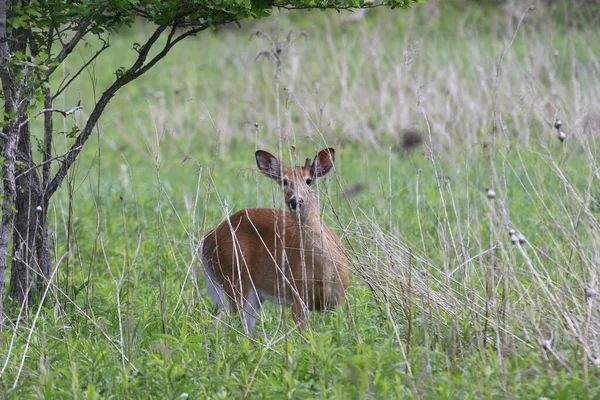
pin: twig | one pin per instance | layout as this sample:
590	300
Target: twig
49	110
46	162
68	47
63	85
499	64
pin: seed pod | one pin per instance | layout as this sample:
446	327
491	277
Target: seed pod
562	136
557	124
591	293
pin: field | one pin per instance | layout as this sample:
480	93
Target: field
445	300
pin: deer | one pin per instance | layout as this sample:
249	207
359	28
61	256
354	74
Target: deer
289	257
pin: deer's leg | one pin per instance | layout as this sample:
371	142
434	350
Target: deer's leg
245	302
299	312
251	306
215	290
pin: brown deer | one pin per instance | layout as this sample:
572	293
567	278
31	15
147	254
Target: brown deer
290	257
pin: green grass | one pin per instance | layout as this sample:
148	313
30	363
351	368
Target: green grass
441	305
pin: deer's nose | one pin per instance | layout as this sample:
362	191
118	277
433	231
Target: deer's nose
296	205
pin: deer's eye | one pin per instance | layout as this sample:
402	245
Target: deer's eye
309	181
285	182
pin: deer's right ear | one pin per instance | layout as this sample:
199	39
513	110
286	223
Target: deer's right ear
323	163
268	164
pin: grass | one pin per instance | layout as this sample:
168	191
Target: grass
442	303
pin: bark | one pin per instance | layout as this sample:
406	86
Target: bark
4	236
13	94
43	245
28	233
21	185
6	221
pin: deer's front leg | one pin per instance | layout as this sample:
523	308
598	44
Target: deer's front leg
299	312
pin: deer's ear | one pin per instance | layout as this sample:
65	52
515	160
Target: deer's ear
268	164
323	163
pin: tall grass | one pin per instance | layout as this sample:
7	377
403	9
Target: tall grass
446	301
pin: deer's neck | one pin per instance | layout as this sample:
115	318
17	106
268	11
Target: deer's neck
310	228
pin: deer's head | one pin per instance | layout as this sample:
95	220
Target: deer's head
297	182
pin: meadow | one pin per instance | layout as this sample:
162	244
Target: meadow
446	301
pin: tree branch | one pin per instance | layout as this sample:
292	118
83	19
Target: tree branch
69	46
285	6
61	88
137	69
169	45
143	54
51	110
8	151
121	81
44	163
48	125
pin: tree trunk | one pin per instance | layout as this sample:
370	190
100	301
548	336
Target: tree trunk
16	102
5	220
31	253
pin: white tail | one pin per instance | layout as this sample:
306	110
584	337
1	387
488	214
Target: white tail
291	257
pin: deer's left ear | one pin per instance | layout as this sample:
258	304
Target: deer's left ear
268	164
323	163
